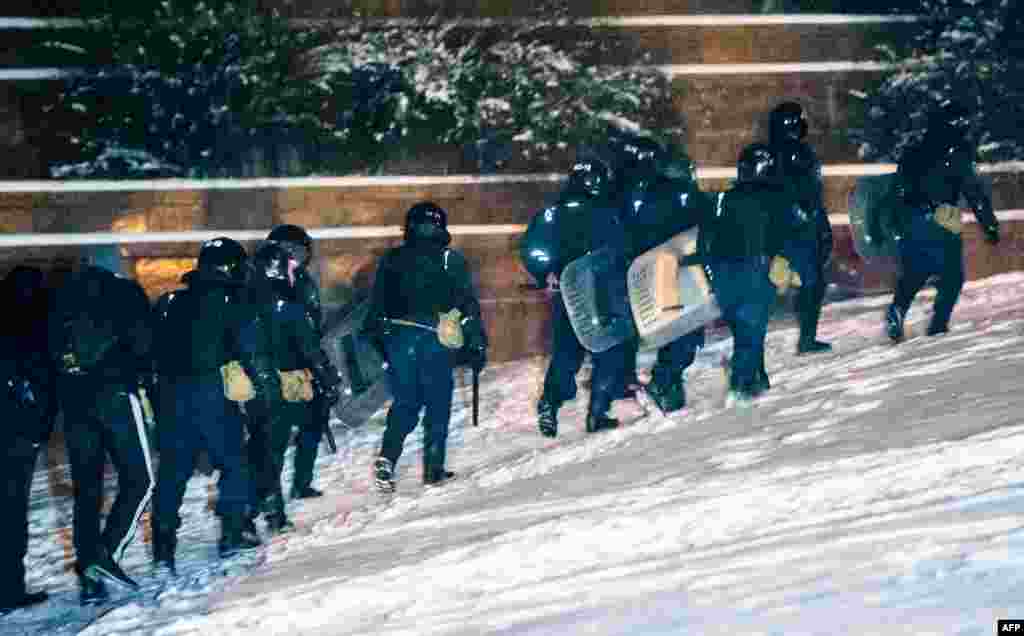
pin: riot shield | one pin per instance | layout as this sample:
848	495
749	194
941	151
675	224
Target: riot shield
870	202
670	299
364	387
597	300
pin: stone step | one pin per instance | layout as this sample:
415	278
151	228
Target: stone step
469	201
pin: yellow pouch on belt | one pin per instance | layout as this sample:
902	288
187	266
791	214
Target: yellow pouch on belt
782	276
948	216
237	385
297	385
449	329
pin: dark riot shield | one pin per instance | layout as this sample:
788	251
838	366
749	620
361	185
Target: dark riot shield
869	204
365	388
597	300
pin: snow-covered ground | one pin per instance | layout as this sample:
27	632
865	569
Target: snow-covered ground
876	490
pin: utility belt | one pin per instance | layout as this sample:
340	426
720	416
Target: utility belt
296	384
448	328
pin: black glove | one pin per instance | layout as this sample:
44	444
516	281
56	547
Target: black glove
991	234
21	393
329	394
326	380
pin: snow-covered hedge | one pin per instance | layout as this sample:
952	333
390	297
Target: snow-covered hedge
971	51
501	91
221	88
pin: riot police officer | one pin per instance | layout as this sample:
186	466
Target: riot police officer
415	284
808	246
199	331
312	429
744	234
283	331
933	176
27	406
584	218
100	339
661	200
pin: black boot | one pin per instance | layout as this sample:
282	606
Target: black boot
274	514
669	396
26	599
165	543
600	422
547	418
250	534
894	323
306	492
597	415
105	568
384	475
434	475
761	381
809	313
805	347
937	326
233	537
92	590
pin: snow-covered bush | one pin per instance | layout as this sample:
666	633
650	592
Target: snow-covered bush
966	50
501	90
204	87
189	84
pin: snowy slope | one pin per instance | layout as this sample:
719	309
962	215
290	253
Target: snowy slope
877	490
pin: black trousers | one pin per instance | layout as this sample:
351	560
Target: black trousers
807	258
311	431
103	419
746	296
420	371
675	357
15	486
929	250
567	354
197	416
269	435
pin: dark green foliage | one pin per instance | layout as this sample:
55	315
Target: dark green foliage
970	52
231	88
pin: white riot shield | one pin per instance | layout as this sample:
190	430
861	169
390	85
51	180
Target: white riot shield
668	299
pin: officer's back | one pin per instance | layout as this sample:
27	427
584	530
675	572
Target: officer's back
100	327
196	327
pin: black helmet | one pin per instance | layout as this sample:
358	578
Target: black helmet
296	238
271	261
224	255
427	221
589	176
756	164
642	157
787	123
